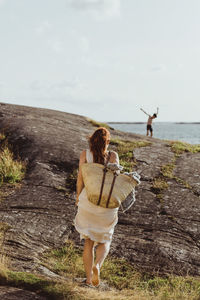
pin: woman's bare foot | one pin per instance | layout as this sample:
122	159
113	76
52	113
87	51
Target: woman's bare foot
95	275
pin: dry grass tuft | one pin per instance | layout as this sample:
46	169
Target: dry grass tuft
99	124
11	170
4	261
181	147
125	150
122	280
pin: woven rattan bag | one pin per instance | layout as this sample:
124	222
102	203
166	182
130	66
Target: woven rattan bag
112	195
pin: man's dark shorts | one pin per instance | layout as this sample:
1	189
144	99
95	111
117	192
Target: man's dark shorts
149	127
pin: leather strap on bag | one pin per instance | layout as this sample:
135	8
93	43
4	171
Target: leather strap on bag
104	176
111	189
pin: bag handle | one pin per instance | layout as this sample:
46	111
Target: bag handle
111	189
104	176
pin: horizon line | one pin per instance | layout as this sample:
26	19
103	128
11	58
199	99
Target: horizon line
181	122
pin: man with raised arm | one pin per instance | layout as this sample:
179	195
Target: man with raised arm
149	121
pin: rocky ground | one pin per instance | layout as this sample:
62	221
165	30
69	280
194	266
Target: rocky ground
12	293
160	233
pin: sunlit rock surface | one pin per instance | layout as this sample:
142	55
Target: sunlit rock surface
160	233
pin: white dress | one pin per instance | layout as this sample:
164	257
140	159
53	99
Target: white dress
94	222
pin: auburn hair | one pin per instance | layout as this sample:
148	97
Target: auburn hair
98	142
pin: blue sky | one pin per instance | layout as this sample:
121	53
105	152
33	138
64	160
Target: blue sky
102	58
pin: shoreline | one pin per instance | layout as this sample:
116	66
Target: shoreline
179	123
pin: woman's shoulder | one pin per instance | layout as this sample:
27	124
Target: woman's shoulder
86	156
114	153
114	156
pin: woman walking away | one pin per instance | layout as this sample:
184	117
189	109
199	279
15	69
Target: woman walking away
95	223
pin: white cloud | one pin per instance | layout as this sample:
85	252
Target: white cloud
84	44
180	66
85	4
66	85
43	28
2	2
36	85
93	62
59	89
158	68
99	9
56	45
2	84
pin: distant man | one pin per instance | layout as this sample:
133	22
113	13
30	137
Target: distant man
149	121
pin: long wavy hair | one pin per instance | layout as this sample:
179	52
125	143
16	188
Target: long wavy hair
98	142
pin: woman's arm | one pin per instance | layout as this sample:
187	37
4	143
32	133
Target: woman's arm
80	183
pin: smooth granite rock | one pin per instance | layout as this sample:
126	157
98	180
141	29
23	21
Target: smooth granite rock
160	233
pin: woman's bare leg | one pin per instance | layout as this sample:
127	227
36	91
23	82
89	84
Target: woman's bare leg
88	259
101	253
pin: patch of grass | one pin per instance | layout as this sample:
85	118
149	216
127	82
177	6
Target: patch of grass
4	227
125	150
65	260
167	170
183	182
3	264
71	180
2	137
7	189
159	196
125	282
3	257
121	275
137	287
159	184
181	147
70	185
52	289
11	170
99	124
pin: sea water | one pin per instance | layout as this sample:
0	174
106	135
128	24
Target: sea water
185	132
